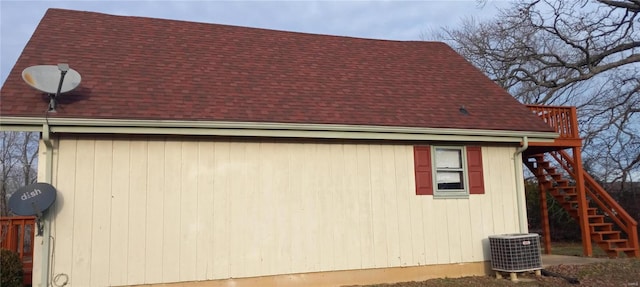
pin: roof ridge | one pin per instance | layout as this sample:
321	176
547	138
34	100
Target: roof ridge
57	10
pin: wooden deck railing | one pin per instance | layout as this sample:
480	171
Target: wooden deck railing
563	119
17	234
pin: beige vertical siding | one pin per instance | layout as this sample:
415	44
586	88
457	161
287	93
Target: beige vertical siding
135	211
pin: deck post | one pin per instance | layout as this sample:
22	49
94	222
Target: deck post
587	249
544	213
633	238
546	230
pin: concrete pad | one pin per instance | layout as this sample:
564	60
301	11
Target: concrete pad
551	260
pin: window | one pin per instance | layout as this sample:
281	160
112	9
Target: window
448	171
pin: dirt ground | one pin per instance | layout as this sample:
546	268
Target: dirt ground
618	273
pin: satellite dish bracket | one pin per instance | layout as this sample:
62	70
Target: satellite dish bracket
38	214
52	103
40	225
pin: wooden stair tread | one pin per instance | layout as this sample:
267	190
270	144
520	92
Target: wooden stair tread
615	240
601	224
607	232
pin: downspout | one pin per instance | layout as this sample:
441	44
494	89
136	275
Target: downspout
46	234
519	190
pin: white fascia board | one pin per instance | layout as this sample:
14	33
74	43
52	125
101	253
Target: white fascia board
258	129
4	127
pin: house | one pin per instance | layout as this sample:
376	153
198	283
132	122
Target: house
224	155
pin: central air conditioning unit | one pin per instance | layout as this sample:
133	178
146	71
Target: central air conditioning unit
515	252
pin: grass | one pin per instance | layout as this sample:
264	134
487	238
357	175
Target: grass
573	249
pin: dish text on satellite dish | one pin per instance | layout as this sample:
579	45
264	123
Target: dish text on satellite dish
32	199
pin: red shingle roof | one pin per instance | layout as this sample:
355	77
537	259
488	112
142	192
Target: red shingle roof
144	68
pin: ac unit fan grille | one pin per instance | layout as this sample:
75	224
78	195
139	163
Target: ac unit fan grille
515	252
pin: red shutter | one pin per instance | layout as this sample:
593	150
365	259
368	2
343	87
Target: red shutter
422	166
474	168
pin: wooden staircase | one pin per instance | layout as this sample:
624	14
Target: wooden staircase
602	221
609	226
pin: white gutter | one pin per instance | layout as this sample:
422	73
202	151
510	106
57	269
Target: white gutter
517	166
259	129
46	234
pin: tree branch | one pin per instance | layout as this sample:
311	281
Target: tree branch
631	5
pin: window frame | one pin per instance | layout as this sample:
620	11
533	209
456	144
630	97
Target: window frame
450	193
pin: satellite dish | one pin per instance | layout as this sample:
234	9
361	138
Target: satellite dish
46	78
32	199
51	79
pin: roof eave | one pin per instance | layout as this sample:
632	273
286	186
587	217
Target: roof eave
260	129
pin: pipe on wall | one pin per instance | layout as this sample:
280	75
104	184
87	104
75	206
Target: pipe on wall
522	209
46	234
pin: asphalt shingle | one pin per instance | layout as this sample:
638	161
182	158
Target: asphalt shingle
145	68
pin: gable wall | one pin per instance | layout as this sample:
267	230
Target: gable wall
140	210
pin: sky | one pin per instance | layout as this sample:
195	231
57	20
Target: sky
389	20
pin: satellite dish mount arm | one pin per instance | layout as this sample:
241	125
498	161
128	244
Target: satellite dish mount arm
52	98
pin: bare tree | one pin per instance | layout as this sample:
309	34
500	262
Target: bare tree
580	53
18	163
